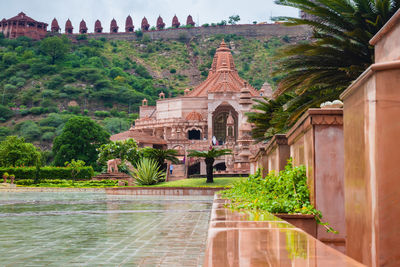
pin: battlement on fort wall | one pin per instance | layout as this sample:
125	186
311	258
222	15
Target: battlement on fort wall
245	30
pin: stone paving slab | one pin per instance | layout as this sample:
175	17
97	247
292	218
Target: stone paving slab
94	229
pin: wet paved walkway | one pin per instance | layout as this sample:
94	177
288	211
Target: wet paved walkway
93	229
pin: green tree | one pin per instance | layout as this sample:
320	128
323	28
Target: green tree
116	125
124	150
55	47
76	166
160	155
234	19
209	158
5	113
79	140
15	152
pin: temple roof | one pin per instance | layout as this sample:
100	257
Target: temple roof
97	25
68	24
194	116
54	25
175	22
23	17
189	21
82	25
223	76
129	21
139	137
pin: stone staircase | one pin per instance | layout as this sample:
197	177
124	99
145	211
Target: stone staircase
120	176
178	173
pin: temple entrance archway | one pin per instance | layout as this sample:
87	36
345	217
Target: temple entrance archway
220	166
219	120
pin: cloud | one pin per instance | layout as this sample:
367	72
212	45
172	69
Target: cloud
203	11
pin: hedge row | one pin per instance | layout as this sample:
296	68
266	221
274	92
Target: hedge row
65	173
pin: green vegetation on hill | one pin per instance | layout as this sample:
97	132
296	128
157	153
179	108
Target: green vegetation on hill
45	83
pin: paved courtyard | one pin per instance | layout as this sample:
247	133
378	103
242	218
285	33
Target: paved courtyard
93	229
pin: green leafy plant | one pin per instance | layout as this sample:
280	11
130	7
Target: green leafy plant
5	176
160	155
147	172
285	192
209	158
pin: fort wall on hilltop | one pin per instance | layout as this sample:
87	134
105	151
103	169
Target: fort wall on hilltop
245	30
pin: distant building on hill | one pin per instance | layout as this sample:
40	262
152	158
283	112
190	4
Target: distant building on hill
22	25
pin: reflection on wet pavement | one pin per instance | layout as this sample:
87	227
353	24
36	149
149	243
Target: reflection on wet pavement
95	229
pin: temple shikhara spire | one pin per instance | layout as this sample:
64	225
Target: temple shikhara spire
97	27
113	26
175	22
145	25
189	21
223	75
160	23
54	26
68	27
82	27
129	24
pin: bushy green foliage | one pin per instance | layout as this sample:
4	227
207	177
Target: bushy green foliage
283	192
147	172
5	113
116	125
63	173
67	183
209	158
80	138
161	155
15	152
124	150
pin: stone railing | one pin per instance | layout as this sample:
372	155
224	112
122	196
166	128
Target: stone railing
316	141
250	239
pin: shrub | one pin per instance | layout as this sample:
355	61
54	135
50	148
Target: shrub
62	173
285	192
172	70
147	172
5	112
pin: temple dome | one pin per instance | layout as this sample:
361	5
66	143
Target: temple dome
129	24
223	76
189	21
113	26
82	27
97	26
194	116
145	24
54	26
175	22
160	23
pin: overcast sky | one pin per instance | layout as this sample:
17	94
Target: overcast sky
202	11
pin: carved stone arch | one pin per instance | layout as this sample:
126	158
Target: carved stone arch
193	128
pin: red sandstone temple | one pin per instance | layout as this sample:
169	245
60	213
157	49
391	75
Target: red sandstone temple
214	112
22	25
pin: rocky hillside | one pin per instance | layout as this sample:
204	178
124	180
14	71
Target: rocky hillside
44	83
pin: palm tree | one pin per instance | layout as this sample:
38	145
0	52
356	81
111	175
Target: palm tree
160	155
209	158
310	73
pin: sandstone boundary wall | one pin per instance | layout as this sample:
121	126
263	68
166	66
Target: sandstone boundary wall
245	30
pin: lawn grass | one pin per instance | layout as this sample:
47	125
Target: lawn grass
200	182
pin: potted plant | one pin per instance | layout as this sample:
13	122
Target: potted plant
5	176
12	177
